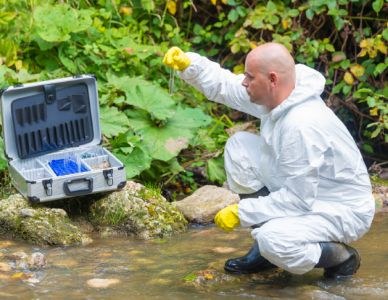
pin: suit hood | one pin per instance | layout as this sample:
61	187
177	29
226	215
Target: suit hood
309	85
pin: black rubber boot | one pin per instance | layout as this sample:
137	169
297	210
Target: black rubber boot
338	260
252	262
262	192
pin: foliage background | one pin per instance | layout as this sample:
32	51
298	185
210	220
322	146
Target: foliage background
163	130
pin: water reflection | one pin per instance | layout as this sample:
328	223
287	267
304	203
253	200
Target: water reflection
188	266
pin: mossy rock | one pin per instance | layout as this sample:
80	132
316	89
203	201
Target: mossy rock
37	224
138	211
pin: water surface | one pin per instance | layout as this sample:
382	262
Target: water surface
188	266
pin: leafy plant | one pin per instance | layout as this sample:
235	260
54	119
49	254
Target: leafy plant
163	137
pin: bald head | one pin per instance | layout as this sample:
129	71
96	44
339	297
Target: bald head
272	57
270	74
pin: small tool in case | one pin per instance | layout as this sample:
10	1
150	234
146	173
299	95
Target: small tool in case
52	140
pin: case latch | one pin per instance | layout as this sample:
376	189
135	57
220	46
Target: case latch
50	93
108	174
48	186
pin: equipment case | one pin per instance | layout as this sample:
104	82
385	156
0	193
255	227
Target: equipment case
52	140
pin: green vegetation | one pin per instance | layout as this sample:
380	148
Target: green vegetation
176	139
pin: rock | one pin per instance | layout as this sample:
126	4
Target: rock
4	267
380	194
224	250
37	260
22	261
209	277
38	224
27	212
250	126
203	204
101	283
136	210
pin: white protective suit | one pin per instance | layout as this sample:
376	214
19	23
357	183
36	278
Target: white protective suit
319	186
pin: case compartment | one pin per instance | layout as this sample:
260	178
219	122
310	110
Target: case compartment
36	174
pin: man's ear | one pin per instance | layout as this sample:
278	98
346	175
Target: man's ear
273	78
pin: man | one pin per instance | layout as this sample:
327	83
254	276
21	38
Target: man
319	196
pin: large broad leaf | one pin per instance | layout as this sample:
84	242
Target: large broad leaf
135	162
129	149
113	121
167	141
54	23
133	48
148	5
145	95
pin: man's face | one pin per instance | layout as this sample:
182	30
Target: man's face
256	84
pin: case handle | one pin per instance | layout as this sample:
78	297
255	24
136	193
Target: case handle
80	186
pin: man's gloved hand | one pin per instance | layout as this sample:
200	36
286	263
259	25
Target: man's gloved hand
227	218
176	59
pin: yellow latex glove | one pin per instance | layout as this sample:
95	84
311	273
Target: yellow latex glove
227	218
176	59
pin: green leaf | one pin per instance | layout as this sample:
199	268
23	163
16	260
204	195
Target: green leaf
371	101
233	15
135	162
148	5
377	5
66	61
215	170
367	148
385	34
3	159
190	277
338	22
375	132
346	89
166	142
309	14
54	23
338	87
113	121
145	95
362	93
380	68
134	48
345	64
241	11
271	7
274	19
293	12
330	47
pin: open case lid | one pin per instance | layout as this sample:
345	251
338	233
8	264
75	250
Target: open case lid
47	116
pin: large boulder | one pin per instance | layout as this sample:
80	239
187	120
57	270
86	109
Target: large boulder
204	203
138	211
134	210
38	224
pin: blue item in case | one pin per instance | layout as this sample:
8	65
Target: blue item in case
66	166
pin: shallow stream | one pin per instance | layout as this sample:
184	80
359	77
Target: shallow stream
188	266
